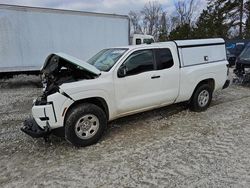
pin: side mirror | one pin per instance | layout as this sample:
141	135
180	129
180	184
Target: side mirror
122	71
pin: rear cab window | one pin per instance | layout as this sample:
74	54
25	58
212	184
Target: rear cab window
164	58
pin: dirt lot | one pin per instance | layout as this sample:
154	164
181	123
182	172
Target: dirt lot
167	147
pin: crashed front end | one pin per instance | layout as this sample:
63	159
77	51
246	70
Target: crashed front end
49	109
46	115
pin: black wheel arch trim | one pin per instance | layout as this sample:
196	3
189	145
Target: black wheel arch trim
98	101
209	81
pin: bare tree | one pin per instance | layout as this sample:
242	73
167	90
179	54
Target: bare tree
241	10
135	19
151	13
174	22
163	22
163	27
185	11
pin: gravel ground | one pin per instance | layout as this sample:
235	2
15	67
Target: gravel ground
168	147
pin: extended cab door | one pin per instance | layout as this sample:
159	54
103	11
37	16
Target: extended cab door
143	86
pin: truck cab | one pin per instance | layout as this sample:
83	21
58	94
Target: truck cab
138	39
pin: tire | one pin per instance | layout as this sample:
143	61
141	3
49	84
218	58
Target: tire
201	98
85	125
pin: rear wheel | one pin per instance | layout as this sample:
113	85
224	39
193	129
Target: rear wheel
85	124
201	98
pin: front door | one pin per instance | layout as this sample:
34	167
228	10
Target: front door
141	87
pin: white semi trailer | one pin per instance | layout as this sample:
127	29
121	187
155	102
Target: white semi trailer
28	35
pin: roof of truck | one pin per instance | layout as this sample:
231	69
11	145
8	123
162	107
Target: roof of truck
181	43
157	44
199	42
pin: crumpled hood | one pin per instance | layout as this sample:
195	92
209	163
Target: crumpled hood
51	65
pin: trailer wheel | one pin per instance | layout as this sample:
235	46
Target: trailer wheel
201	98
85	124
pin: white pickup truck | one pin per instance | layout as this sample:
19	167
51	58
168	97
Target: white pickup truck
81	97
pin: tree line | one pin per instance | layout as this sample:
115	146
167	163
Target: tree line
228	19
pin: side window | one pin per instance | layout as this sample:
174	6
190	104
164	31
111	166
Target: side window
139	61
148	41
137	41
164	58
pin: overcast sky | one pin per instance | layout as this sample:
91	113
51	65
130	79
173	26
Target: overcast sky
105	6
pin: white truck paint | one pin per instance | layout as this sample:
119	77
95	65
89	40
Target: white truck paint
181	71
29	34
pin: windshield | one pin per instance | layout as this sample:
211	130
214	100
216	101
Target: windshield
105	59
246	53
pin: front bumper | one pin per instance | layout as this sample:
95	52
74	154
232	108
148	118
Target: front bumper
51	112
31	128
227	83
44	114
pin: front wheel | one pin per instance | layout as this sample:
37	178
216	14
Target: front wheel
85	124
201	98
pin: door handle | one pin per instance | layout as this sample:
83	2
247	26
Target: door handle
154	77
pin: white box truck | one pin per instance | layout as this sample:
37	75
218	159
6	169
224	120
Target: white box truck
81	97
28	35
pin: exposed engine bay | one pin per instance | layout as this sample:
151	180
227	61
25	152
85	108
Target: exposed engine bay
58	70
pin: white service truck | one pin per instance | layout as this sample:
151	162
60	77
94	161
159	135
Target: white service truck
29	34
81	97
